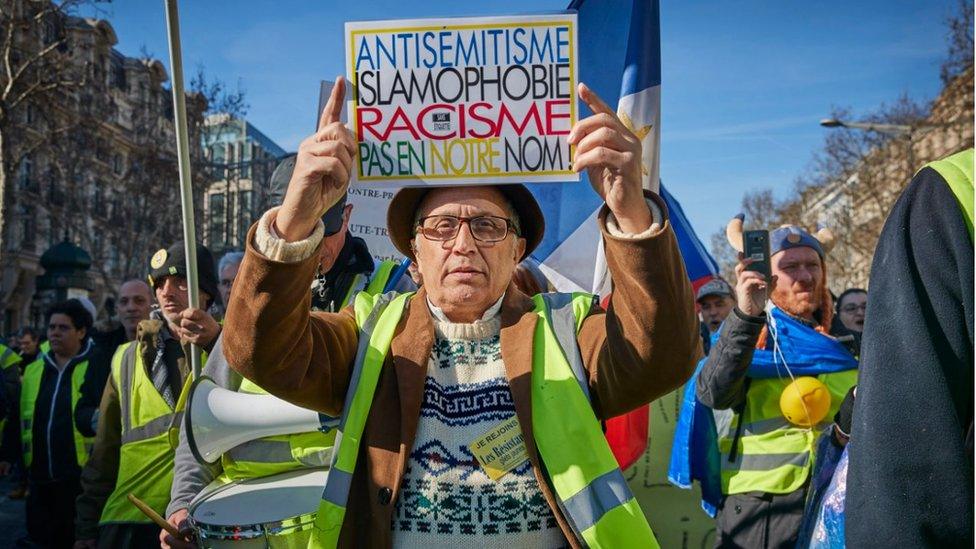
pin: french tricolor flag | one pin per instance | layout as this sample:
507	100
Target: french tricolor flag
620	59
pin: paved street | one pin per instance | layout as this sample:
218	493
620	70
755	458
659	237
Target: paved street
11	516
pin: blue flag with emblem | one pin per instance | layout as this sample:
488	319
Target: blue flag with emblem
694	453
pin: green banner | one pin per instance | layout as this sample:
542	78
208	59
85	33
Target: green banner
675	515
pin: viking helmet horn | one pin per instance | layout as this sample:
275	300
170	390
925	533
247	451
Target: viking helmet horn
826	238
733	232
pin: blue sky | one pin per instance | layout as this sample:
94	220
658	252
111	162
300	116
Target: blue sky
743	83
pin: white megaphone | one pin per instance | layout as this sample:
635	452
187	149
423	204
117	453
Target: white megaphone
218	419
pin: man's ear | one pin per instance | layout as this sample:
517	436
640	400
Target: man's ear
519	249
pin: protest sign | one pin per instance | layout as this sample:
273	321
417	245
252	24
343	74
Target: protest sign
465	100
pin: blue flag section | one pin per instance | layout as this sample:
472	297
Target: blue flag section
620	59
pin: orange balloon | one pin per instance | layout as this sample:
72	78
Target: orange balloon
805	402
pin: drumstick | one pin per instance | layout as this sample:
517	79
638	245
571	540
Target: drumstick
154	516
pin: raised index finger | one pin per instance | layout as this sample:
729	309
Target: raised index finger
593	101
333	107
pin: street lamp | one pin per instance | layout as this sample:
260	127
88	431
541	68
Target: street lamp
893	129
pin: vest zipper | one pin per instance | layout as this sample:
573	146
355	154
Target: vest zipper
50	421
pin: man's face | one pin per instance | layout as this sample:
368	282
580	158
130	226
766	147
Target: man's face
135	301
172	296
465	276
227	276
65	338
800	281
714	309
28	344
852	311
332	244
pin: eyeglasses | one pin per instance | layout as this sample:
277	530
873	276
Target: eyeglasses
853	308
484	228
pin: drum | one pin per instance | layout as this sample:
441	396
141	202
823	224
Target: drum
276	511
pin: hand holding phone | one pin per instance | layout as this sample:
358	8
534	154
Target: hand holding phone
753	273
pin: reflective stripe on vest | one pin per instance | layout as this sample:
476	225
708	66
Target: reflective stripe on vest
145	456
957	170
582	471
590	488
31	386
772	455
276	454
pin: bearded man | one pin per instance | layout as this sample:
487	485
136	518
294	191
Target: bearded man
766	454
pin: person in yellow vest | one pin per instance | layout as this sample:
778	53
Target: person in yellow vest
910	474
265	456
132	452
471	416
277	454
53	449
766	453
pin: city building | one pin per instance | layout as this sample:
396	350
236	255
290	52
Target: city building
241	160
92	162
855	207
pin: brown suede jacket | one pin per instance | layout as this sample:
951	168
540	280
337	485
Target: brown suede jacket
643	346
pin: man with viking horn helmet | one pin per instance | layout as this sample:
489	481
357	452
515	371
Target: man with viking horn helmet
777	370
470	412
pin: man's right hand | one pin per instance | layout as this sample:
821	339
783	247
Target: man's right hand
751	289
322	170
5	467
179	520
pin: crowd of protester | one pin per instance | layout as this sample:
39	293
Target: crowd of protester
772	419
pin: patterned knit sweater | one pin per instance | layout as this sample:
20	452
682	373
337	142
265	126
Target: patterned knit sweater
446	499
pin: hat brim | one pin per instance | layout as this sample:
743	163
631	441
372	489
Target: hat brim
403	209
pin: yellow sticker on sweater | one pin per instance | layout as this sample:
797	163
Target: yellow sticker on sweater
500	449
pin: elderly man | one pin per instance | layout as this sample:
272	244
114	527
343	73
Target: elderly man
463	423
766	453
227	271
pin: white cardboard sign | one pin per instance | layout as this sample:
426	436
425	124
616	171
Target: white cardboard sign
463	100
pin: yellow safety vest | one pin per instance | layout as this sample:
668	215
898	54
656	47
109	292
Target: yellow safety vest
8	357
773	455
145	456
590	488
29	390
278	454
957	170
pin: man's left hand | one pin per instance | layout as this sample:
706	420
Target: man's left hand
198	327
611	155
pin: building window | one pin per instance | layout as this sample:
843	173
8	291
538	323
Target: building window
24	173
245	214
98	199
217	221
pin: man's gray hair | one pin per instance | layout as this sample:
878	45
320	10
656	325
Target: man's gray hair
230	258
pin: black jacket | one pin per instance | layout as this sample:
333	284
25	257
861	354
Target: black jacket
910	477
99	368
52	439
